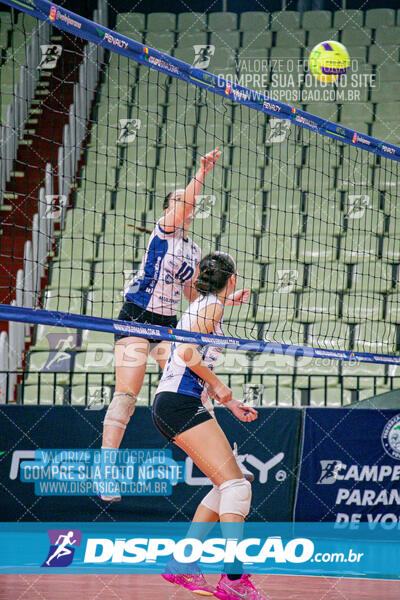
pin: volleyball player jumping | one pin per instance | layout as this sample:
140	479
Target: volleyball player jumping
180	416
168	268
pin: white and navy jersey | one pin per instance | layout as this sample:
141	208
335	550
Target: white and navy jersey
169	262
177	377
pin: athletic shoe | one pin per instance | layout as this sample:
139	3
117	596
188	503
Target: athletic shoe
194	582
114	496
239	459
228	589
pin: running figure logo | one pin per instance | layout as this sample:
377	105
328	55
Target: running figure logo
62	547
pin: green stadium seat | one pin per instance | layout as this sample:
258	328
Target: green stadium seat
270	303
175	158
330	277
241	242
387	35
347	18
354	113
130	21
188	39
285	19
387	54
324	110
284	276
277	247
387	111
389	91
376	17
332	397
46	394
191	22
222	21
104	303
223	61
315	36
78	277
251	41
372	277
114	280
288	201
282	53
274	364
161	21
317	19
314	373
314	306
393	308
331	335
361	307
391	250
375	337
225	39
279	222
97	339
160	40
290	38
84	221
254	21
370	220
49	338
361	374
280	332
356	36
82	395
54	374
356	248
386	132
64	299
317	249
359	53
98	362
324	220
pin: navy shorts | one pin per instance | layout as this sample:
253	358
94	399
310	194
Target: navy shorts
175	413
134	313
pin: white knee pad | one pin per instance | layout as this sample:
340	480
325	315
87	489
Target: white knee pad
235	497
120	410
212	499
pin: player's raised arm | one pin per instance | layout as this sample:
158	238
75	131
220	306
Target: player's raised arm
181	206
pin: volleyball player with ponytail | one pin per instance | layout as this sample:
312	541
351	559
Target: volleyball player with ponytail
180	416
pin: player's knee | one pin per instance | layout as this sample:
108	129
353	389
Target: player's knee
235	497
120	410
212	500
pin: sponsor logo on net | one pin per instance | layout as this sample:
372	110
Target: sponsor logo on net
57	14
115	41
135	329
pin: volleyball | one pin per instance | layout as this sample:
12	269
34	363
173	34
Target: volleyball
328	61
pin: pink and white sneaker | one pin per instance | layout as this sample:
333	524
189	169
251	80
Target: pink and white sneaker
228	589
194	582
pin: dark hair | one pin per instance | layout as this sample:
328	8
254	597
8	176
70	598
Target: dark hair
166	201
214	272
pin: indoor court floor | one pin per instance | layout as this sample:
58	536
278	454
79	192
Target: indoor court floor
153	587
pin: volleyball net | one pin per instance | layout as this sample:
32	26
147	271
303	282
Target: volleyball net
307	208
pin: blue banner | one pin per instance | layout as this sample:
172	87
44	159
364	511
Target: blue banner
45	484
301	549
74	24
350	468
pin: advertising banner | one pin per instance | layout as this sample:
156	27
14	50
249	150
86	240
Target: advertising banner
350	467
42	481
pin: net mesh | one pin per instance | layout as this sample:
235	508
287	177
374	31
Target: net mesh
311	222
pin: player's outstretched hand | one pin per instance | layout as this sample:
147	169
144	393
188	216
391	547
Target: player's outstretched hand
209	161
242	411
238	297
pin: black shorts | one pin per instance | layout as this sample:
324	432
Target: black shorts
175	413
132	312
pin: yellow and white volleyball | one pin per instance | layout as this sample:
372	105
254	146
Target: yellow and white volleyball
328	61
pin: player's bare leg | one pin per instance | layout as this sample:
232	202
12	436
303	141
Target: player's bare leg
131	356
